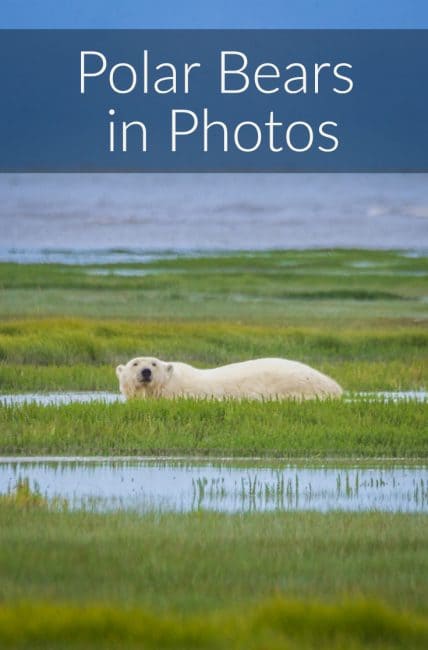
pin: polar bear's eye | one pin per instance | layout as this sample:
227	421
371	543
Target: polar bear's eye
153	364
135	363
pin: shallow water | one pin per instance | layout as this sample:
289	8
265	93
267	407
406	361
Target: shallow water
390	395
181	486
84	397
46	399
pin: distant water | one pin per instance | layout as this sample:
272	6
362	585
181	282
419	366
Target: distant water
181	212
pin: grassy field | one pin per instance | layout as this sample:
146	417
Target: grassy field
204	580
235	579
215	562
278	625
81	354
360	429
293	287
359	316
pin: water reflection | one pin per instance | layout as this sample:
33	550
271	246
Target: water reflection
183	486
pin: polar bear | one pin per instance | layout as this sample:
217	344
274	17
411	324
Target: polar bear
259	379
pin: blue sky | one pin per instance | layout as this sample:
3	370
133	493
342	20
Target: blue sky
220	13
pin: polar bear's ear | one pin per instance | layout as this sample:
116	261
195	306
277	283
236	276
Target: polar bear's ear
169	369
119	370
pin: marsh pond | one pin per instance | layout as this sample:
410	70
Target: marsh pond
233	486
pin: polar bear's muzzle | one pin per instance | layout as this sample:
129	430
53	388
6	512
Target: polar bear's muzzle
146	375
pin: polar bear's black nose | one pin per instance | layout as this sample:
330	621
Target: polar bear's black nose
146	373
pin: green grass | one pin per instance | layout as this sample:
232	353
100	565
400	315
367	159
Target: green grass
275	624
284	429
288	287
141	305
64	354
359	316
203	562
71	341
274	580
204	580
353	375
80	377
346	274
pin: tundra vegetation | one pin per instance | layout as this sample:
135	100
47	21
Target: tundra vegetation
281	579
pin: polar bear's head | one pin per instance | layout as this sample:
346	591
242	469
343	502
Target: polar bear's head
143	376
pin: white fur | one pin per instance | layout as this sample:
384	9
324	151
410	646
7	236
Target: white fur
259	379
